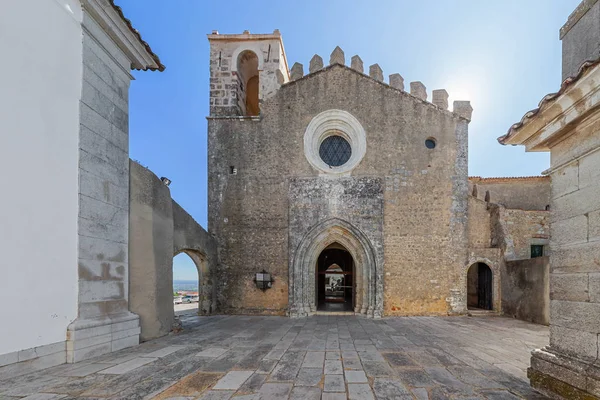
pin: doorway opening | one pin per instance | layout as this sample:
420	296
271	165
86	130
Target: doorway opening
335	279
185	285
479	287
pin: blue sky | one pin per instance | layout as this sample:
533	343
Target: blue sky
503	56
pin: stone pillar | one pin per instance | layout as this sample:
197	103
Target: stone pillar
569	365
104	323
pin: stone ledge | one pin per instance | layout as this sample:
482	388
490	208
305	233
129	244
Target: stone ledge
562	377
94	337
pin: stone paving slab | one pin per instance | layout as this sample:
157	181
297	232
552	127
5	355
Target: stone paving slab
320	357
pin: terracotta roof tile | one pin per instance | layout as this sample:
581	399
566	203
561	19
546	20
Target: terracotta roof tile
508	178
119	11
549	98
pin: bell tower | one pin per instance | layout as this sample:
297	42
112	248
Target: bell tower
245	70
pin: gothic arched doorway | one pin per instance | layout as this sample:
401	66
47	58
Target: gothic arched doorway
480	287
367	280
335	283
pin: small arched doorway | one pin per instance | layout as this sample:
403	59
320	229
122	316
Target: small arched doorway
335	283
480	287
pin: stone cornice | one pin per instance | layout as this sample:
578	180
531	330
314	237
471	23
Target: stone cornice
122	33
556	119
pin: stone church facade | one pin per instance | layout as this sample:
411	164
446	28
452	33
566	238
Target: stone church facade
352	193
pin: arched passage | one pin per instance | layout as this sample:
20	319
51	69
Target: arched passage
367	282
203	283
480	287
185	285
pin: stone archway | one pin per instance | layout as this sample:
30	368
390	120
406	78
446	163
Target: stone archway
495	281
368	281
205	292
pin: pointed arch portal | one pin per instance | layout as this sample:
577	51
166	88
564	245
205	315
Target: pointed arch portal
364	296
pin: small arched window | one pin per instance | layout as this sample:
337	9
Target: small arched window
248	83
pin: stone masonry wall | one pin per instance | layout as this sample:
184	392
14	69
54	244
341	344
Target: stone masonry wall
104	323
524	228
575	244
159	229
530	193
480	229
526	290
424	197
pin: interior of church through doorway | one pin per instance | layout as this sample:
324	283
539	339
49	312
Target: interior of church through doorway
335	279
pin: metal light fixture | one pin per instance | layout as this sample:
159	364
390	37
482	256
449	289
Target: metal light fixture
165	180
263	280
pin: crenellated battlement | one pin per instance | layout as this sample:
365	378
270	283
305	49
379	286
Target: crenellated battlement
439	97
246	69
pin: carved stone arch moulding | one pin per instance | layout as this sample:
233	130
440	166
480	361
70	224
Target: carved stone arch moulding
330	123
368	289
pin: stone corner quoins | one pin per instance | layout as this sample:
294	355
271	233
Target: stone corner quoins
334	123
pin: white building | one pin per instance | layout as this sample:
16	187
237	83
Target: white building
64	157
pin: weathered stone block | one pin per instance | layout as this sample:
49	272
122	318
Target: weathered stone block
439	97
589	170
316	63
356	63
102	189
569	231
115	174
95	122
580	202
418	90
397	81
565	180
376	72
97	210
576	315
104	106
575	342
569	287
581	257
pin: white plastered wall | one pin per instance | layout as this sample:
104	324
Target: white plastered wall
41	47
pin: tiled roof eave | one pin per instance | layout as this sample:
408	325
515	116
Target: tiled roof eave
547	99
159	66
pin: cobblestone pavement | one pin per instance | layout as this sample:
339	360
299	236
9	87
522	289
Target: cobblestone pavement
320	357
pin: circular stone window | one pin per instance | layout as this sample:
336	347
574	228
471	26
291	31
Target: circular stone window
430	143
335	151
334	142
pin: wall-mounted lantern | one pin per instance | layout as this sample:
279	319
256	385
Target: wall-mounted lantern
165	180
263	280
